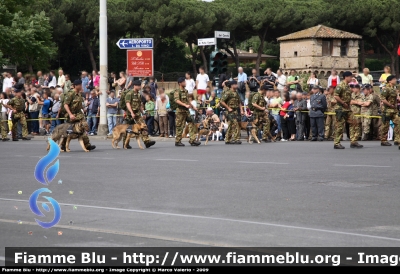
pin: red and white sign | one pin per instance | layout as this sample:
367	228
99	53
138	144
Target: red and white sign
140	62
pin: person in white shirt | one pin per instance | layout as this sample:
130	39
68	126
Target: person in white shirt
7	81
280	80
61	78
190	84
4	101
52	79
201	81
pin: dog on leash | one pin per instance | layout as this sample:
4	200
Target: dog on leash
251	130
206	130
60	133
120	131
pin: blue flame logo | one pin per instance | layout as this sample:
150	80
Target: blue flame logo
45	177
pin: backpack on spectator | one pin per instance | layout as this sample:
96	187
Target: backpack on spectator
51	105
171	96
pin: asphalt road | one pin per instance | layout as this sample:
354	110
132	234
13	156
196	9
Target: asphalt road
277	194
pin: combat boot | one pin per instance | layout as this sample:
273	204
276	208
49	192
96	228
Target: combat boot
339	146
195	143
396	143
237	142
5	139
386	144
179	144
26	138
266	140
150	143
91	147
356	145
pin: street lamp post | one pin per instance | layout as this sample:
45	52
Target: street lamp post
103	129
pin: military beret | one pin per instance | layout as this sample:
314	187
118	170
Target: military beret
347	74
137	83
77	82
233	82
390	78
18	87
367	86
180	80
316	87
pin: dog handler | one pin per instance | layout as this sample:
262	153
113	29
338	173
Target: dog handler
73	104
134	107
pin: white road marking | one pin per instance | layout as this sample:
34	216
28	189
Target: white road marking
361	166
102	158
225	220
180	160
2	258
272	163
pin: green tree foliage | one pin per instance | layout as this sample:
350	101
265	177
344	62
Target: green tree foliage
27	40
71	26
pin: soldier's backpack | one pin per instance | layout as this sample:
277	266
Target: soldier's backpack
122	102
250	104
171	96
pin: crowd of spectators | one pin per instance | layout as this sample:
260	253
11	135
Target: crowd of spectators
288	102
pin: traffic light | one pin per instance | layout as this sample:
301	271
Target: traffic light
218	62
224	63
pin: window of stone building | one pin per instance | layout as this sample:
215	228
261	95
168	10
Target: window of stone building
326	47
343	48
295	54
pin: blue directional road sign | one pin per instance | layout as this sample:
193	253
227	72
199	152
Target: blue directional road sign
135	43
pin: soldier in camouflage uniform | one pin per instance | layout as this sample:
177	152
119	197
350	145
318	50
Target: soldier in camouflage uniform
261	118
183	115
231	101
134	108
73	105
17	105
62	100
366	110
355	106
375	121
4	119
344	113
389	111
330	118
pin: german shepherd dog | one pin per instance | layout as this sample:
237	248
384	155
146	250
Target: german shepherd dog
120	131
60	132
207	130
251	130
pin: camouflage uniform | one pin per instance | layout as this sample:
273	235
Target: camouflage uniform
183	115
232	100
390	94
135	101
366	112
343	91
261	118
62	101
330	118
375	122
356	109
75	104
19	105
3	124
